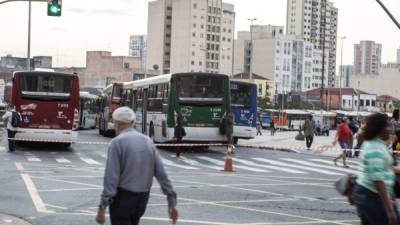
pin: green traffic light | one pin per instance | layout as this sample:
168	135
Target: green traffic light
54	9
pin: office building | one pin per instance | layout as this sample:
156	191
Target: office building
367	58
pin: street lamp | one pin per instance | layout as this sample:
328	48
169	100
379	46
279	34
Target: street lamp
341	71
251	46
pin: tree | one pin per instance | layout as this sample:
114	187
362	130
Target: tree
396	104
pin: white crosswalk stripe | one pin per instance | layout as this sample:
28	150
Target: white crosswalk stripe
196	163
286	165
302	162
62	160
34	159
220	163
173	164
90	161
250	163
330	162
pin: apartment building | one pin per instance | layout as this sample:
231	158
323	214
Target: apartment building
367	58
137	48
190	35
307	19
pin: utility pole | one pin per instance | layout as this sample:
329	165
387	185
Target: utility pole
251	47
323	23
28	57
341	72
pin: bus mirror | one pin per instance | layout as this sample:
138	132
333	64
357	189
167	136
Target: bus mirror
164	108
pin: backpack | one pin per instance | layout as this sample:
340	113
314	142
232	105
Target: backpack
15	119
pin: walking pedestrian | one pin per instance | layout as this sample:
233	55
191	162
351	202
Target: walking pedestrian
373	191
395	122
309	131
259	127
13	119
318	128
396	145
179	133
272	127
354	129
343	135
229	128
132	162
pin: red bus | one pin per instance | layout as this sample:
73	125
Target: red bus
49	106
111	99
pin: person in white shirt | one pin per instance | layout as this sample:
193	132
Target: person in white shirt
11	130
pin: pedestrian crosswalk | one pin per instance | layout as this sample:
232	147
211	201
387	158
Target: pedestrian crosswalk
199	162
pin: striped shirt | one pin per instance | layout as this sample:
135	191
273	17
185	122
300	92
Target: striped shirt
376	165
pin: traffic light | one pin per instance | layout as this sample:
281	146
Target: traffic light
54	7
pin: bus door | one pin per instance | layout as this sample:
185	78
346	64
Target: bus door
144	110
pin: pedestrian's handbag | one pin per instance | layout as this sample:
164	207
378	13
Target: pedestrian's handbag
345	186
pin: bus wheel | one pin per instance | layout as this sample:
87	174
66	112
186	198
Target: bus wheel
235	140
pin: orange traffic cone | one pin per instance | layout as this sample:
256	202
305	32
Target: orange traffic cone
228	160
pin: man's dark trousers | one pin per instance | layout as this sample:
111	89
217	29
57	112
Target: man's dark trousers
128	207
309	140
11	143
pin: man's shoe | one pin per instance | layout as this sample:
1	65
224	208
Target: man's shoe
334	162
346	166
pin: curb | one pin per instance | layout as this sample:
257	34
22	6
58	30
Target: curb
12	220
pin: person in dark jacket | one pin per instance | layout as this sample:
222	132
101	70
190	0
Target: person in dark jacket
179	133
229	128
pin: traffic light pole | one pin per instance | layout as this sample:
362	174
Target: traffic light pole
28	58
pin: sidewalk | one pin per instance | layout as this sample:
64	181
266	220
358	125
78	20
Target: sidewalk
12	220
322	145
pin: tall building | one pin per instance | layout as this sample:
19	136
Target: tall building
137	48
367	58
293	64
346	71
190	35
263	56
305	18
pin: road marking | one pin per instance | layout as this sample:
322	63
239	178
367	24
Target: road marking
220	163
171	163
19	166
37	200
250	163
62	160
330	162
34	159
196	163
274	162
90	161
104	155
317	165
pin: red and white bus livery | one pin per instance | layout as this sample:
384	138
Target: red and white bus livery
49	106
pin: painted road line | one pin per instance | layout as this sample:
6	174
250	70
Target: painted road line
278	163
62	160
250	163
317	165
37	200
19	166
90	161
174	164
196	163
220	163
34	159
330	162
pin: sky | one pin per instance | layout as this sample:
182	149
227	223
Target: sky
102	25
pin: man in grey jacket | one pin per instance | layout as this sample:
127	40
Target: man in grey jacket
309	131
132	162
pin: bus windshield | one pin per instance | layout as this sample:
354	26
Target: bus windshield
117	92
240	95
200	88
43	85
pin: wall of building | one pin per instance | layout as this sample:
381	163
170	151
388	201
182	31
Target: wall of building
386	83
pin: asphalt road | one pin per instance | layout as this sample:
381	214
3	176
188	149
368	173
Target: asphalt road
49	185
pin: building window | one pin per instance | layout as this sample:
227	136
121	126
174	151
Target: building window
169	8
192	62
193	53
193	34
126	65
194	25
367	103
260	89
195	5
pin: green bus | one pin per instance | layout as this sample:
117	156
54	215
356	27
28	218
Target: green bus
200	99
